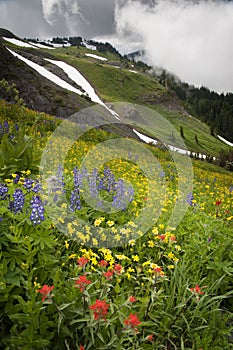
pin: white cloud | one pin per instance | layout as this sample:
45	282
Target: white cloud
66	11
192	39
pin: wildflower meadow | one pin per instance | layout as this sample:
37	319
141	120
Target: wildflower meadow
89	256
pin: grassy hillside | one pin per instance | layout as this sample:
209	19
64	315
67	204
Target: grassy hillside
119	84
113	82
75	276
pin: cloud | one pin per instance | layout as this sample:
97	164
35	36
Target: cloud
52	9
66	12
81	17
190	38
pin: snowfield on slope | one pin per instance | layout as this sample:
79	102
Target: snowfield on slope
73	73
79	79
225	141
41	46
95	56
19	43
47	74
148	139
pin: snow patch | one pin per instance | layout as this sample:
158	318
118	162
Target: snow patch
224	140
95	56
19	42
73	73
79	79
41	46
148	139
88	46
60	45
47	74
132	71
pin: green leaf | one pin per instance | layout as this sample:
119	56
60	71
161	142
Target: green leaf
79	320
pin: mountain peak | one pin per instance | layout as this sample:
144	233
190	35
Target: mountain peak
6	33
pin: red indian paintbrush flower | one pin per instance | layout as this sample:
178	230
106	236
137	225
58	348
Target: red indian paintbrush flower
118	269
100	309
150	337
108	275
103	263
197	289
132	299
82	261
45	291
82	282
132	321
81	347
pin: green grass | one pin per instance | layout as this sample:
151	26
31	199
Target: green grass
114	85
197	255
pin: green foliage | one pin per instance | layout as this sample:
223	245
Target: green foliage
181	279
209	106
17	155
10	92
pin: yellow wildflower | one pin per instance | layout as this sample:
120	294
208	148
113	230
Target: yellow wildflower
73	256
94	241
135	258
151	244
171	255
110	223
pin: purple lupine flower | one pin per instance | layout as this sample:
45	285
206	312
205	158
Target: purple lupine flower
122	195
27	184
16	179
37	188
189	199
75	200
18	203
93	183
110	181
3	191
162	174
60	177
1	130
6	127
37	213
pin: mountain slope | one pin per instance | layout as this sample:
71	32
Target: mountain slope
37	92
113	78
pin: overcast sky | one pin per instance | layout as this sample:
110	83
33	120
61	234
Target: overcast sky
191	38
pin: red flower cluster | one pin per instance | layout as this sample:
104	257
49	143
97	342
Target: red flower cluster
150	337
172	238
82	282
100	309
108	275
45	291
81	347
132	299
132	321
117	269
197	290
103	263
162	237
218	203
82	261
